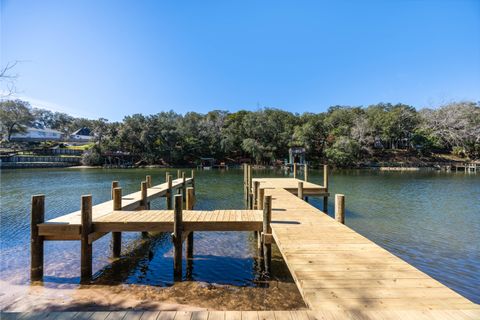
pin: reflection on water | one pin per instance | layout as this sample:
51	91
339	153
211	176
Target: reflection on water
430	219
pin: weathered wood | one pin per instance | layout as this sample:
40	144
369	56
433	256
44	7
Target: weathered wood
117	236
115	184
148	178
177	238
300	190
340	208
36	241
294	170
168	195
184	189
86	247
267	230
261	197
189	204
256	185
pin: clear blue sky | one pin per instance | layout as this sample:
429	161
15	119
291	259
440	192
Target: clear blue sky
114	58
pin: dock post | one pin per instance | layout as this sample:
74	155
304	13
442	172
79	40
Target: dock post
36	241
192	183
148	178
340	208
86	246
294	170
166	175
168	194
261	197
325	185
300	190
190	201
177	238
114	185
117	236
145	203
256	187
267	233
184	189
179	174
305	172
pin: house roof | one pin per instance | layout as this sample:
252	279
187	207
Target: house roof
82	132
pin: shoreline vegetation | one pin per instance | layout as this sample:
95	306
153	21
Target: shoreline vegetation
380	135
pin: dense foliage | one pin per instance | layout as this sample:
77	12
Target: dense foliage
343	135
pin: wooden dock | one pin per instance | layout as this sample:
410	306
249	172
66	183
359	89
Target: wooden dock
339	273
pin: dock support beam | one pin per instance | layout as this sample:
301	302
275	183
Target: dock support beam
325	185
86	246
267	233
300	190
340	208
168	194
177	238
36	241
117	236
190	202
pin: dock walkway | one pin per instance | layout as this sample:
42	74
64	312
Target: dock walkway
335	268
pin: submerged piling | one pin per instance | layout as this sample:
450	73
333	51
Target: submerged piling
267	233
189	205
117	236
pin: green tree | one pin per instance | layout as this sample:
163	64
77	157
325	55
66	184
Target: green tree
15	116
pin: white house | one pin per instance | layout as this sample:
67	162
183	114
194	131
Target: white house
34	134
81	135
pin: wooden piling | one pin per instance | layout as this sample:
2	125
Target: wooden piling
114	185
36	241
168	194
325	185
179	174
256	187
305	172
294	170
86	246
267	233
117	236
300	190
148	178
184	189
340	208
166	176
144	202
177	238
189	205
261	197
143	192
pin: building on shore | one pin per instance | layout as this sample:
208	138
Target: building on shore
34	134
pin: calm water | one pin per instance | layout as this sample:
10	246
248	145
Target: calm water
429	219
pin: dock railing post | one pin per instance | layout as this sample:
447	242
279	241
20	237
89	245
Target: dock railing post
190	203
177	238
117	236
192	183
168	194
179	174
86	246
294	170
250	186
256	187
267	233
305	172
36	241
325	185
261	197
114	185
300	190
184	189
145	203
148	178
340	208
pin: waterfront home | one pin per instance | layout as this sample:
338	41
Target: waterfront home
35	134
81	135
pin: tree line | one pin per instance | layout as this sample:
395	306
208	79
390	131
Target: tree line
343	135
